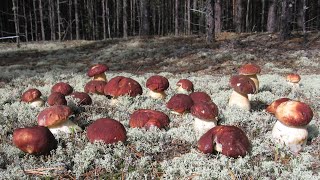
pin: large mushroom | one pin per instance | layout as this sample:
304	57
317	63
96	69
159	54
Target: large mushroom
291	128
184	86
36	140
95	87
157	85
180	104
242	86
56	118
229	140
97	72
63	88
251	70
56	98
106	130
147	118
274	105
32	96
205	117
198	97
82	98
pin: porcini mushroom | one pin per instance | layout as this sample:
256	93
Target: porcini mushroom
57	98
106	130
180	104
184	86
82	98
97	72
36	140
95	87
291	128
274	105
198	97
229	140
32	96
251	70
56	118
293	79
147	118
157	85
242	86
63	88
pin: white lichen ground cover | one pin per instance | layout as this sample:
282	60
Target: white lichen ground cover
167	154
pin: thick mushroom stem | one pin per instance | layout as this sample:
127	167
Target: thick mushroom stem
182	90
67	127
239	100
202	126
100	77
37	102
157	95
292	137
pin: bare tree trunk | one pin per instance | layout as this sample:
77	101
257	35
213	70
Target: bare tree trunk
104	19
31	25
247	16
210	21
145	30
188	17
77	19
262	15
271	24
70	19
285	26
35	19
125	19
238	16
176	18
217	16
154	18
108	21
159	19
16	20
41	21
59	19
118	17
25	20
53	20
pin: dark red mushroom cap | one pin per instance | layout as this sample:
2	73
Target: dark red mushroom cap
97	69
198	97
242	84
294	113
180	103
57	98
121	86
54	115
205	111
30	95
106	130
82	97
36	140
141	117
249	69
273	106
95	87
63	88
157	83
185	84
232	140
293	78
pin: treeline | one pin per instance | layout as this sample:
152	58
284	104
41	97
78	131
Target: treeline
35	20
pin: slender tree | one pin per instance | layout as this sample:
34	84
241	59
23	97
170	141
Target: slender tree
145	29
210	21
176	18
271	24
285	23
16	20
76	15
217	16
59	20
238	15
125	18
35	19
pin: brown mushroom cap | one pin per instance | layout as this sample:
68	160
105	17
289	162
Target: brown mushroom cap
249	69
273	106
153	123
294	113
180	103
141	117
57	98
95	87
106	130
82	97
157	83
54	115
185	84
97	69
30	95
242	84
198	97
205	111
121	86
293	78
36	140
63	88
232	141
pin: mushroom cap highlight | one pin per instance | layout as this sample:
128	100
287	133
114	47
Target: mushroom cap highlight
249	69
36	140
198	97
294	113
205	111
95	87
185	84
97	69
62	87
121	86
82	98
293	78
107	130
54	115
56	98
180	103
157	83
242	84
141	117
30	95
274	105
229	140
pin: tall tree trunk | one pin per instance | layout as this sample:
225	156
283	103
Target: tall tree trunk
59	19
25	20
76	15
271	24
188	17
217	16
41	21
104	19
118	17
31	25
52	19
285	23
35	19
238	16
16	20
125	19
70	19
262	15
247	16
108	17
176	18
210	21
145	30
133	17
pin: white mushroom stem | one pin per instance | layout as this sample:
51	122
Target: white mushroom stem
292	137
239	100
254	78
100	77
182	91
67	127
37	103
157	95
202	126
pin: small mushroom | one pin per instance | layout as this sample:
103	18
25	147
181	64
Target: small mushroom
97	72
242	86
82	98
198	97
157	85
229	140
95	87
56	98
63	88
106	130
147	118
291	128
32	96
36	140
184	86
56	118
274	105
179	104
251	70
205	117
293	80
